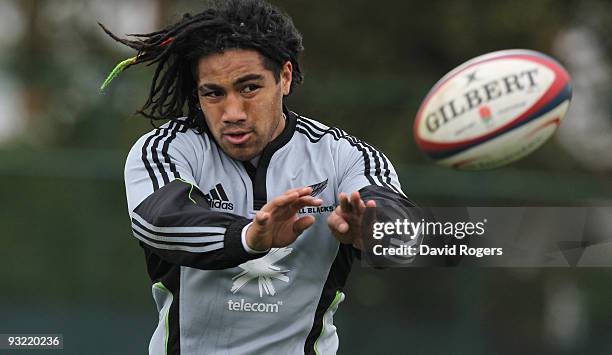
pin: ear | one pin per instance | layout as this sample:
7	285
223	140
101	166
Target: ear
285	77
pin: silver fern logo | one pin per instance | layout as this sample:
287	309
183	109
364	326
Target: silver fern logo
264	270
318	188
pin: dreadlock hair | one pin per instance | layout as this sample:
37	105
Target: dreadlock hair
222	25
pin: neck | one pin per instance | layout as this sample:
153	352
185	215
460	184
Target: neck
280	126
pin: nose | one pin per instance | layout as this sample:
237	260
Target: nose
233	110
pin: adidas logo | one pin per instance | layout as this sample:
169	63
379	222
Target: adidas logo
217	198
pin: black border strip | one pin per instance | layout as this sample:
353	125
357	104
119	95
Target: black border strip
260	194
336	279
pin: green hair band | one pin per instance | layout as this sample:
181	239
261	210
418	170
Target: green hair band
116	71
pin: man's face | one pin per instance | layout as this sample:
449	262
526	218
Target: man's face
242	101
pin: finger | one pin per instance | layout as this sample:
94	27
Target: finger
302	224
310	200
306	201
362	207
261	218
337	223
356	202
301	191
343	214
371	203
344	203
304	191
285	199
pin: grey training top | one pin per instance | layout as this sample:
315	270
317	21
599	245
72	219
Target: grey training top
189	201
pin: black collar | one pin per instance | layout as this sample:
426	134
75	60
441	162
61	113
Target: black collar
283	138
258	175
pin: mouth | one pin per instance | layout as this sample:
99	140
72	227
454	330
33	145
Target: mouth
237	137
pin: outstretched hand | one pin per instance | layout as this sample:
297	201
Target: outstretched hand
277	225
345	221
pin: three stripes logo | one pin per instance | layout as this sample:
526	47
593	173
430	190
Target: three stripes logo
217	198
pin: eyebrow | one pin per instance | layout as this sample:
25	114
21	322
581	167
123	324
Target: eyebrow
242	79
248	77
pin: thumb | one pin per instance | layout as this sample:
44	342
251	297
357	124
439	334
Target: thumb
302	224
261	218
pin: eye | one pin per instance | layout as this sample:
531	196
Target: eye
249	89
212	94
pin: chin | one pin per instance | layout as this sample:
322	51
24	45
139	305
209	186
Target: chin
240	154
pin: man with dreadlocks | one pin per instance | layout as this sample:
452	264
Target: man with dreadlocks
248	213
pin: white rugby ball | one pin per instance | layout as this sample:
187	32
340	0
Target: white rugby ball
493	109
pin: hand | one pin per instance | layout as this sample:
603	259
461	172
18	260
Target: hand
345	221
277	225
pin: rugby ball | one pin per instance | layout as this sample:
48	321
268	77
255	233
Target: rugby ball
493	109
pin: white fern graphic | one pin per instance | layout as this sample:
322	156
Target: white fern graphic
265	270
